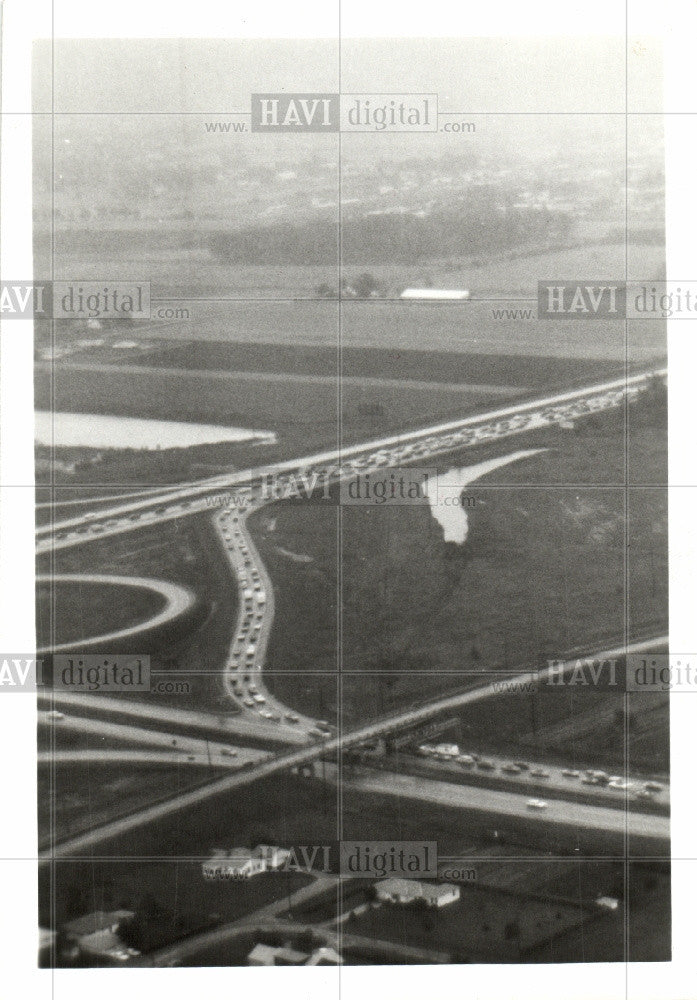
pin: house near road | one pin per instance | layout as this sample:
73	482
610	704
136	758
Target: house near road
97	935
404	891
265	954
241	862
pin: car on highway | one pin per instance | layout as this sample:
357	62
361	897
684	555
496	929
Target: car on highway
259	699
522	764
619	783
511	769
253	688
653	786
644	793
486	765
191	756
536	804
324	726
54	715
228	752
539	772
466	759
569	772
291	717
249	703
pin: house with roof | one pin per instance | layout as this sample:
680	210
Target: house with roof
266	954
241	862
96	935
404	891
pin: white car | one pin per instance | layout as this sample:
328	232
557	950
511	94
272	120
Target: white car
228	752
259	699
536	804
55	716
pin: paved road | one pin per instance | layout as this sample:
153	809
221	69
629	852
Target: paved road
177	600
243	668
510	804
266	920
332	746
236	726
421	445
178	747
527	782
193	759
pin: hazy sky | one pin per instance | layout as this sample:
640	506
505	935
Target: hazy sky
471	75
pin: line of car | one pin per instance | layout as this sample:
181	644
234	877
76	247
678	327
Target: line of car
407	451
591	776
243	662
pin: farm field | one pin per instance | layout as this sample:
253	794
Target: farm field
72	799
169	257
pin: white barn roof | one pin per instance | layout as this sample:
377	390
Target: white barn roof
435	293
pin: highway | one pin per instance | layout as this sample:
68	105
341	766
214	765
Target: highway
503	804
537	780
194	759
256	613
239	726
333	746
175	744
243	668
332	466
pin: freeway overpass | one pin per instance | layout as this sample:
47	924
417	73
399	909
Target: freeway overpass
334	746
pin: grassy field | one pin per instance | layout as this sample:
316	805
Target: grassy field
176	886
82	610
308	415
542	572
72	798
185	552
483	925
466	367
169	259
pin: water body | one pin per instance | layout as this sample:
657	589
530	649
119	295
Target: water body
445	491
92	430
